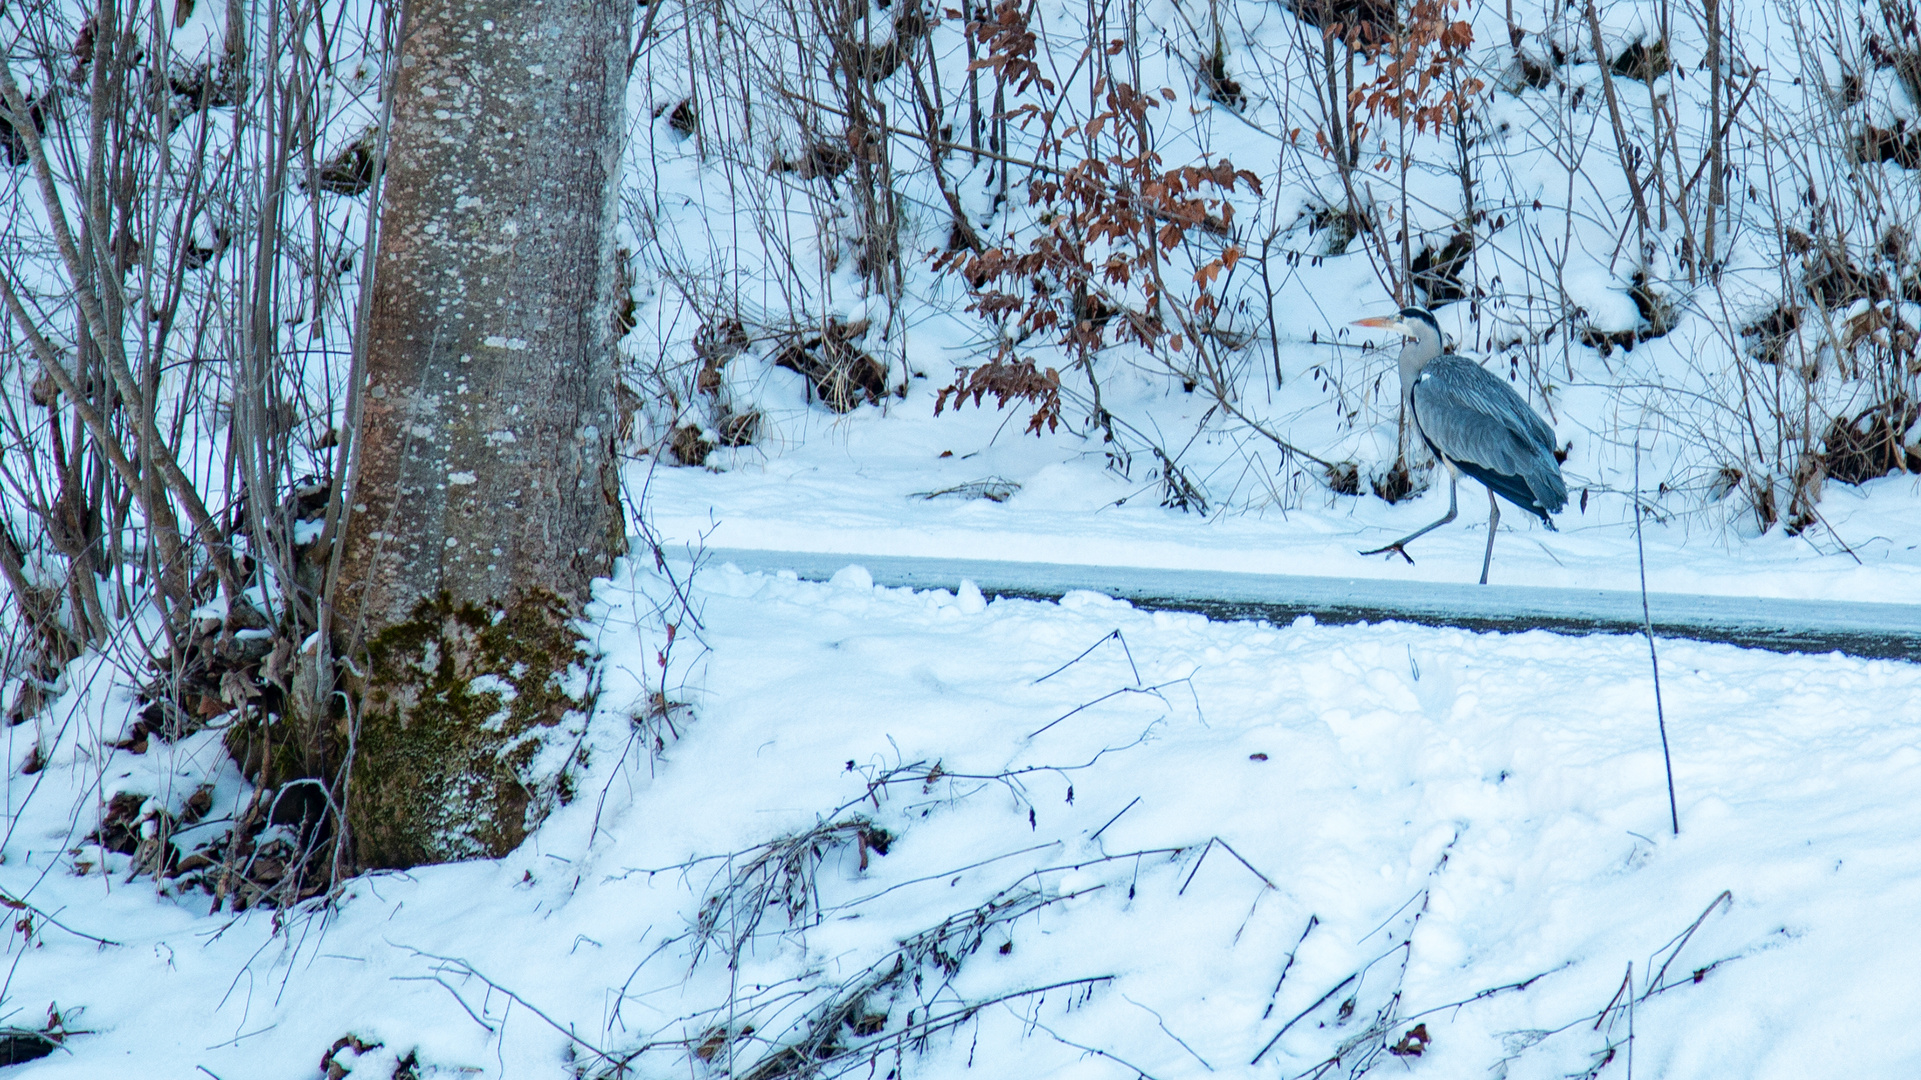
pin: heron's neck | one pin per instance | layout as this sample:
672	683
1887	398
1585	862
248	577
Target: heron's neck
1414	356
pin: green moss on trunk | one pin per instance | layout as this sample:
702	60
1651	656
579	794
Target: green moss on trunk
459	707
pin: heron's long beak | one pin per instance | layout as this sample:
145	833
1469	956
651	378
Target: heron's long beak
1383	322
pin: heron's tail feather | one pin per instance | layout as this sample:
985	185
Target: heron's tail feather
1549	489
1515	490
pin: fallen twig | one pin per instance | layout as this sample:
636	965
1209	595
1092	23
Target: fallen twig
8	900
1154	690
1112	820
1298	1017
1679	943
1112	636
1269	882
464	968
1312	922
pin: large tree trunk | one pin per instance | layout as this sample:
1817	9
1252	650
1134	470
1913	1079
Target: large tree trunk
484	498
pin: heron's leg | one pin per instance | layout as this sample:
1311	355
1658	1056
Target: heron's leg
1493	522
1453	496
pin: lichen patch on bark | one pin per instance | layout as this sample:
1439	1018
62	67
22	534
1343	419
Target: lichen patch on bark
459	702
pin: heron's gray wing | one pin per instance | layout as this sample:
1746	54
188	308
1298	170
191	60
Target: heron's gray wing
1472	416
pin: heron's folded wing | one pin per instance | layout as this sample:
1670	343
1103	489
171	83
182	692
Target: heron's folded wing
1473	416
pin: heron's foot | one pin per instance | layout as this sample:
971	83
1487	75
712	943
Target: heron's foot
1396	548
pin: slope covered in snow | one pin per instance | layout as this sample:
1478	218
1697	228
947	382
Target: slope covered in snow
1727	397
922	832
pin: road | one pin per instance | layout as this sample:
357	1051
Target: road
1882	631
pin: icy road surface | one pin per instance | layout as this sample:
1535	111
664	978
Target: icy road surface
1885	630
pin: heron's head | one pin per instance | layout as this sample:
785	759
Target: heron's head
1423	335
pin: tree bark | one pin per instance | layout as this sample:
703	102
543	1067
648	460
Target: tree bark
483	495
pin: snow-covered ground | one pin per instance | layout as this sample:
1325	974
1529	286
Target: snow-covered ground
860	484
1198	834
886	833
1690	423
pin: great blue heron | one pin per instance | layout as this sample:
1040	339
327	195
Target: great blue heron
1476	424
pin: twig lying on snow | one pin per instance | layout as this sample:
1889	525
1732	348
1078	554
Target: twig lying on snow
817	1041
8	900
1679	943
1312	922
924	774
1626	990
1378	1033
945	875
1387	1017
462	967
1318	1002
1491	991
1143	1074
818	1049
1521	1041
919	772
780	874
1420	894
1114	635
1237	857
449	987
1112	820
1169	1032
1154	691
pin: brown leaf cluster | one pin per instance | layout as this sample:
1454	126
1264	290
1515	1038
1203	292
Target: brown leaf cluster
1008	381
